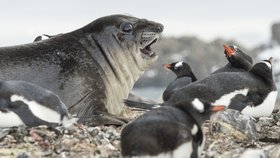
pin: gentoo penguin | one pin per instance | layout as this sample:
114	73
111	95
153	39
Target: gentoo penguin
184	76
253	92
238	61
169	131
23	103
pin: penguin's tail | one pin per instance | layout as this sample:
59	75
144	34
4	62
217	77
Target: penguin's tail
141	105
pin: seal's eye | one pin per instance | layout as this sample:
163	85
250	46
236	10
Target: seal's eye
126	28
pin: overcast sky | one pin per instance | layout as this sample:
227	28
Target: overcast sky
248	21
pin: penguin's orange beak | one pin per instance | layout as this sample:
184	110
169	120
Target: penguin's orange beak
270	60
167	66
229	51
217	108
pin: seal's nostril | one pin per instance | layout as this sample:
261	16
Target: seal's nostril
160	27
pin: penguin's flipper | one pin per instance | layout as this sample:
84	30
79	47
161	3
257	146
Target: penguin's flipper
3	105
140	105
239	102
102	119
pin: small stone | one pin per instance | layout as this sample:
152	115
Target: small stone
273	151
278	123
265	121
276	116
22	155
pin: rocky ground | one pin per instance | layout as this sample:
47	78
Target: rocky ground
103	141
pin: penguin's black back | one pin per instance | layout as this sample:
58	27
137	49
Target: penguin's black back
214	86
174	86
157	131
30	97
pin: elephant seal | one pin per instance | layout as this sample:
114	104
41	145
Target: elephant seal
92	69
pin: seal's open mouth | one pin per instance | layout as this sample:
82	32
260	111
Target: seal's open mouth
148	39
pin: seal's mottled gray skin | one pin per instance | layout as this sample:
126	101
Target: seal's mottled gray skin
91	69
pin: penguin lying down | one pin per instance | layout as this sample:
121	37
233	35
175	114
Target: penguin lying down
170	131
252	92
23	103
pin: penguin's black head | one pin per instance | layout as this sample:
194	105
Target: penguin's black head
237	58
180	68
263	69
200	110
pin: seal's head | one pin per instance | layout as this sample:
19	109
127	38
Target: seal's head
121	47
129	36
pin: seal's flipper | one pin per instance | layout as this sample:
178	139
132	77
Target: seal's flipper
102	119
140	105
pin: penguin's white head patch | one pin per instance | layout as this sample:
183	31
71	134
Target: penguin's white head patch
268	64
179	64
44	37
198	105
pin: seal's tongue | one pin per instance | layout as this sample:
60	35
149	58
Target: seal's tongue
148	50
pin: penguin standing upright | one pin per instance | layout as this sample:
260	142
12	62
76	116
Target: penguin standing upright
184	76
23	103
238	61
170	131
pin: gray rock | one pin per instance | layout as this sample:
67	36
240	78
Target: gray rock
253	153
4	132
232	122
273	151
265	121
276	32
244	153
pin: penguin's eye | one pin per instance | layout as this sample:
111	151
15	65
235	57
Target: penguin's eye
126	28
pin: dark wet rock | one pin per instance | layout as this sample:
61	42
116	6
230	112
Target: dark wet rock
232	122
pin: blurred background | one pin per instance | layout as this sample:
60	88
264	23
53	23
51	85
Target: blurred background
195	30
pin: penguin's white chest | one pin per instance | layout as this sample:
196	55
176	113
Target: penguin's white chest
183	151
10	119
38	110
263	109
226	98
